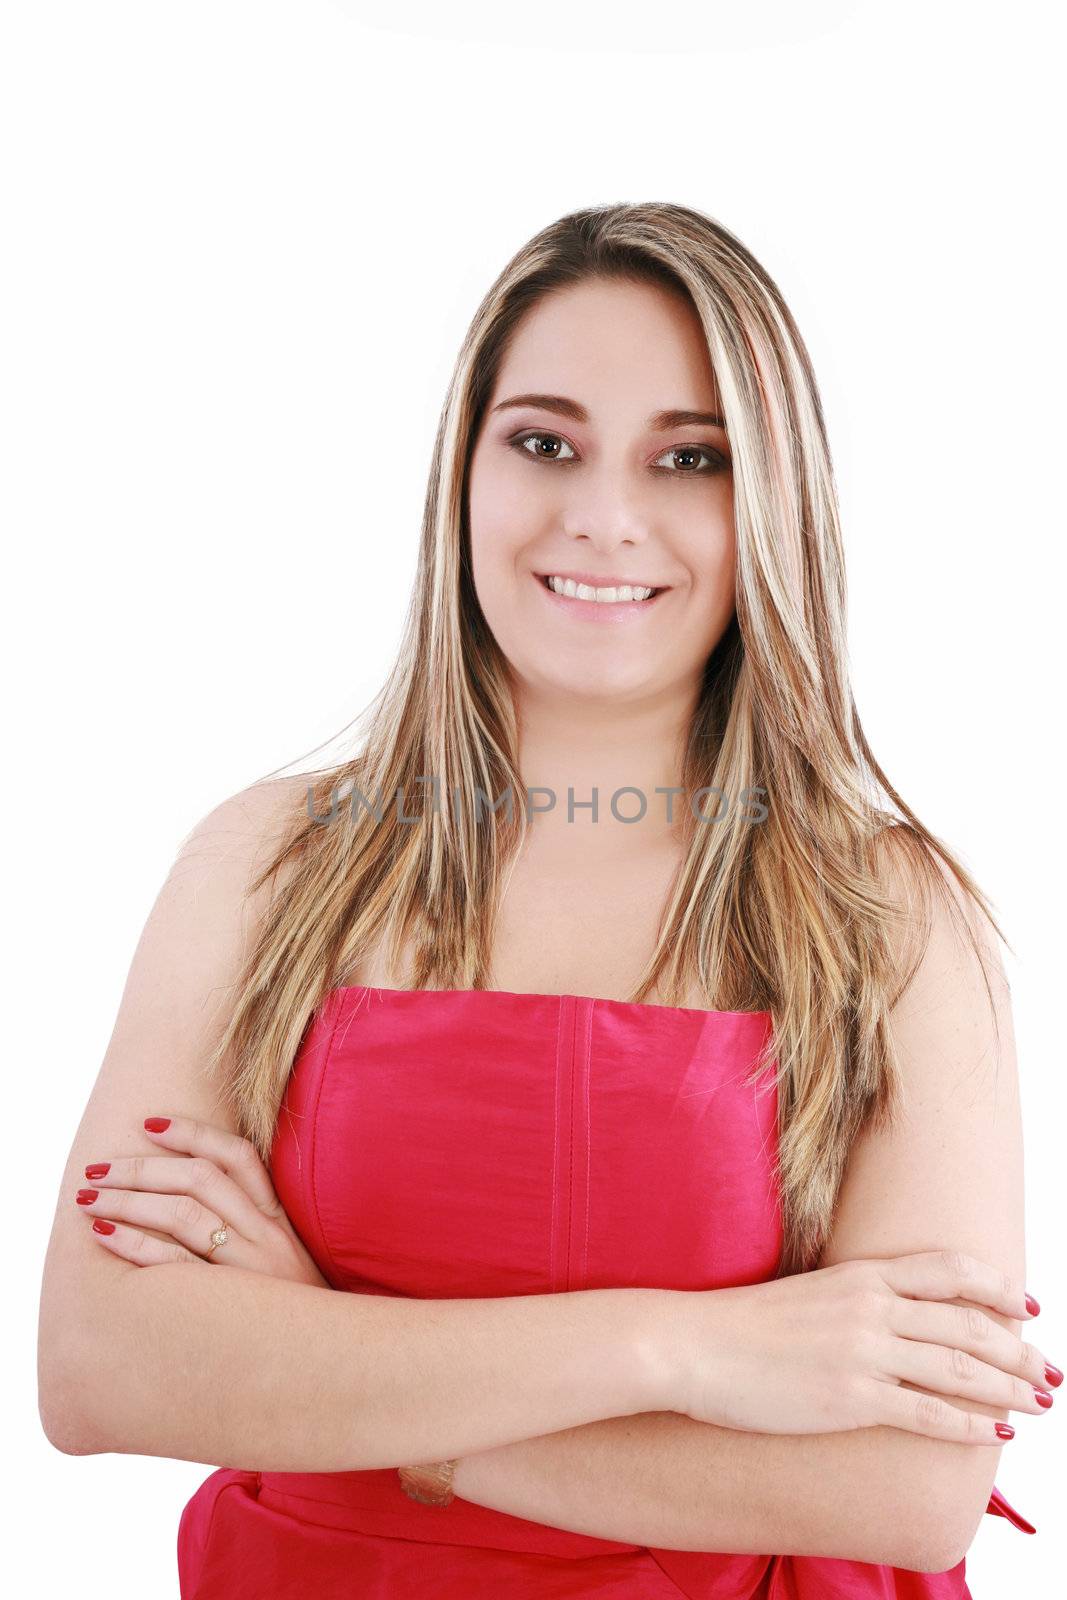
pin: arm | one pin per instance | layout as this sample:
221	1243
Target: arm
948	1174
217	1364
669	1482
234	1368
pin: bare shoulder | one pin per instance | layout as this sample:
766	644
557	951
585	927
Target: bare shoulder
951	1024
205	918
239	837
943	928
175	1004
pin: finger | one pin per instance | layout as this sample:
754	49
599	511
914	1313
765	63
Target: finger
181	1216
951	1371
928	1414
140	1248
231	1154
191	1175
968	1328
954	1275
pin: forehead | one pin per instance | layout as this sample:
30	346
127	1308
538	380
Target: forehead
602	341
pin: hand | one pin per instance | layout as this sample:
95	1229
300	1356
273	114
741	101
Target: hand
186	1200
832	1349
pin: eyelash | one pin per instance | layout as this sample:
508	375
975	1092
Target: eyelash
720	462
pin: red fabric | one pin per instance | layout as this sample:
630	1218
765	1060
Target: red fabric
476	1143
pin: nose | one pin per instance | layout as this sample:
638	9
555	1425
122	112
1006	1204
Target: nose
606	527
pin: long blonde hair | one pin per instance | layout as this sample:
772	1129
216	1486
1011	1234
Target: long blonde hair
791	915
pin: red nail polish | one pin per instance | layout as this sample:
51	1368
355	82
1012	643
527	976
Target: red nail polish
1005	1430
99	1169
157	1124
1053	1375
1032	1305
87	1196
1043	1398
102	1225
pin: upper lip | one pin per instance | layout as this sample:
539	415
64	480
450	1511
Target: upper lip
596	582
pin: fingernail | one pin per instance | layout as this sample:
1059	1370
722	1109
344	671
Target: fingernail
87	1196
1004	1429
157	1124
1053	1375
1032	1305
102	1225
99	1169
1043	1398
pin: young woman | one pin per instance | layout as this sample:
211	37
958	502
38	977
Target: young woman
595	1100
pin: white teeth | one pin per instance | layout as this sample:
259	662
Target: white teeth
583	591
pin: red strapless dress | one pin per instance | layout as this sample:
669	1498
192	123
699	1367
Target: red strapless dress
477	1143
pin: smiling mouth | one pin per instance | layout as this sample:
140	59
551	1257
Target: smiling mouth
606	595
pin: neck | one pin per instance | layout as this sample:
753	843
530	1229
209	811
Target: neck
573	745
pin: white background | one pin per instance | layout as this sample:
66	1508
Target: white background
243	243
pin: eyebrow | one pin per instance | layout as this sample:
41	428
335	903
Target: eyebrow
658	422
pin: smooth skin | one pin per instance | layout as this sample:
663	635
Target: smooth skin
241	1364
838	1332
224	1364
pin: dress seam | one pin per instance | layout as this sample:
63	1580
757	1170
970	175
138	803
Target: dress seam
588	1144
313	1142
570	1144
553	1254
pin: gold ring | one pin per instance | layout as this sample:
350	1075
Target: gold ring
219	1236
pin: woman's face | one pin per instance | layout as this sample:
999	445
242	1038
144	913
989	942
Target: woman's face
590	481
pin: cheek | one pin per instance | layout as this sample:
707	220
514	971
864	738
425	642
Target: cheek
492	563
712	559
500	516
708	552
490	558
502	528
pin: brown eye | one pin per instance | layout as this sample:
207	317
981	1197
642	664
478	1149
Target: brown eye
522	440
718	461
550	447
